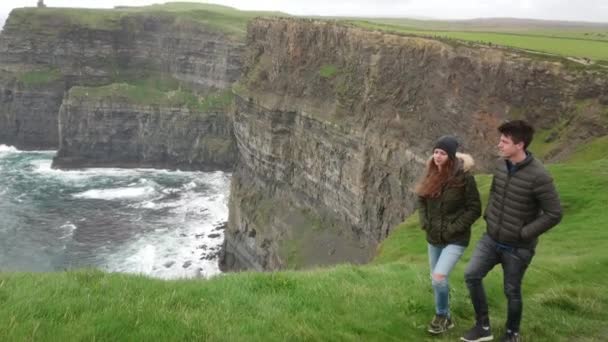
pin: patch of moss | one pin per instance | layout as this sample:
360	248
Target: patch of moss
328	71
544	141
144	76
347	92
217	101
153	93
39	77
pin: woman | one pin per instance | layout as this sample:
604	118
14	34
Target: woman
448	205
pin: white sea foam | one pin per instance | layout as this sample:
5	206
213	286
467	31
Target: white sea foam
67	230
44	167
6	149
189	245
117	193
177	253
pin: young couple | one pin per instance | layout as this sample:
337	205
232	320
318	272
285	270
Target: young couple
523	204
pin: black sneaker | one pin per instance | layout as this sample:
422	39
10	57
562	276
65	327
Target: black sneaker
510	336
478	333
440	324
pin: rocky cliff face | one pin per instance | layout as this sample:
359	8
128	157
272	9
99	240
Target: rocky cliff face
55	51
110	130
28	113
334	123
121	46
311	192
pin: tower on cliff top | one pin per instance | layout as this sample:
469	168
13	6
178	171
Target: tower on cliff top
41	4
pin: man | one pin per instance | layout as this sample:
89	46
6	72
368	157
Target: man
523	204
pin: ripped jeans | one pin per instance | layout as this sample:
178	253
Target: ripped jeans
442	259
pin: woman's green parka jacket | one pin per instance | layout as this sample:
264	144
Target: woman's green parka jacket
448	218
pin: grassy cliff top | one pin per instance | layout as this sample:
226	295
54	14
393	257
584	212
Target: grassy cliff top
583	42
49	20
550	28
578	41
153	94
388	300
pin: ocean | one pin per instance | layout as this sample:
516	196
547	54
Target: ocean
160	223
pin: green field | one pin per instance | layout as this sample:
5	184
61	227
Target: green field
591	31
589	43
387	300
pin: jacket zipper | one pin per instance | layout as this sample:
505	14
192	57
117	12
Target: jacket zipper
441	215
502	208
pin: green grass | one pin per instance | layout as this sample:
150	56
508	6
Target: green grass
39	77
549	140
596	149
223	18
159	81
218	100
49	20
551	42
526	27
540	147
155	92
328	71
387	300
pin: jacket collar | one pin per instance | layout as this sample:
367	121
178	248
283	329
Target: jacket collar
512	168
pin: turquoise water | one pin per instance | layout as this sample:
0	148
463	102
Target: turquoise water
165	224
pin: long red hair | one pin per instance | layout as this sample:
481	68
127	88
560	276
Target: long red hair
434	180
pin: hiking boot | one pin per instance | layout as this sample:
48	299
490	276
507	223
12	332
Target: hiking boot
440	324
510	336
478	333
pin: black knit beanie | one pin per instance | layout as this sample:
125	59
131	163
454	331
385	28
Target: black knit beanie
449	144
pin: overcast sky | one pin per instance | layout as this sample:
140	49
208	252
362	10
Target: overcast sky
574	10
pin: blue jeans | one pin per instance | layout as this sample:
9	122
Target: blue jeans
442	259
514	261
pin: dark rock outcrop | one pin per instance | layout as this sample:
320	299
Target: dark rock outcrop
28	113
104	131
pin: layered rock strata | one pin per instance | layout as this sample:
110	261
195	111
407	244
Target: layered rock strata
334	123
45	52
106	131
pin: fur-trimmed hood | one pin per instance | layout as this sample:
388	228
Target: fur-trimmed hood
465	161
